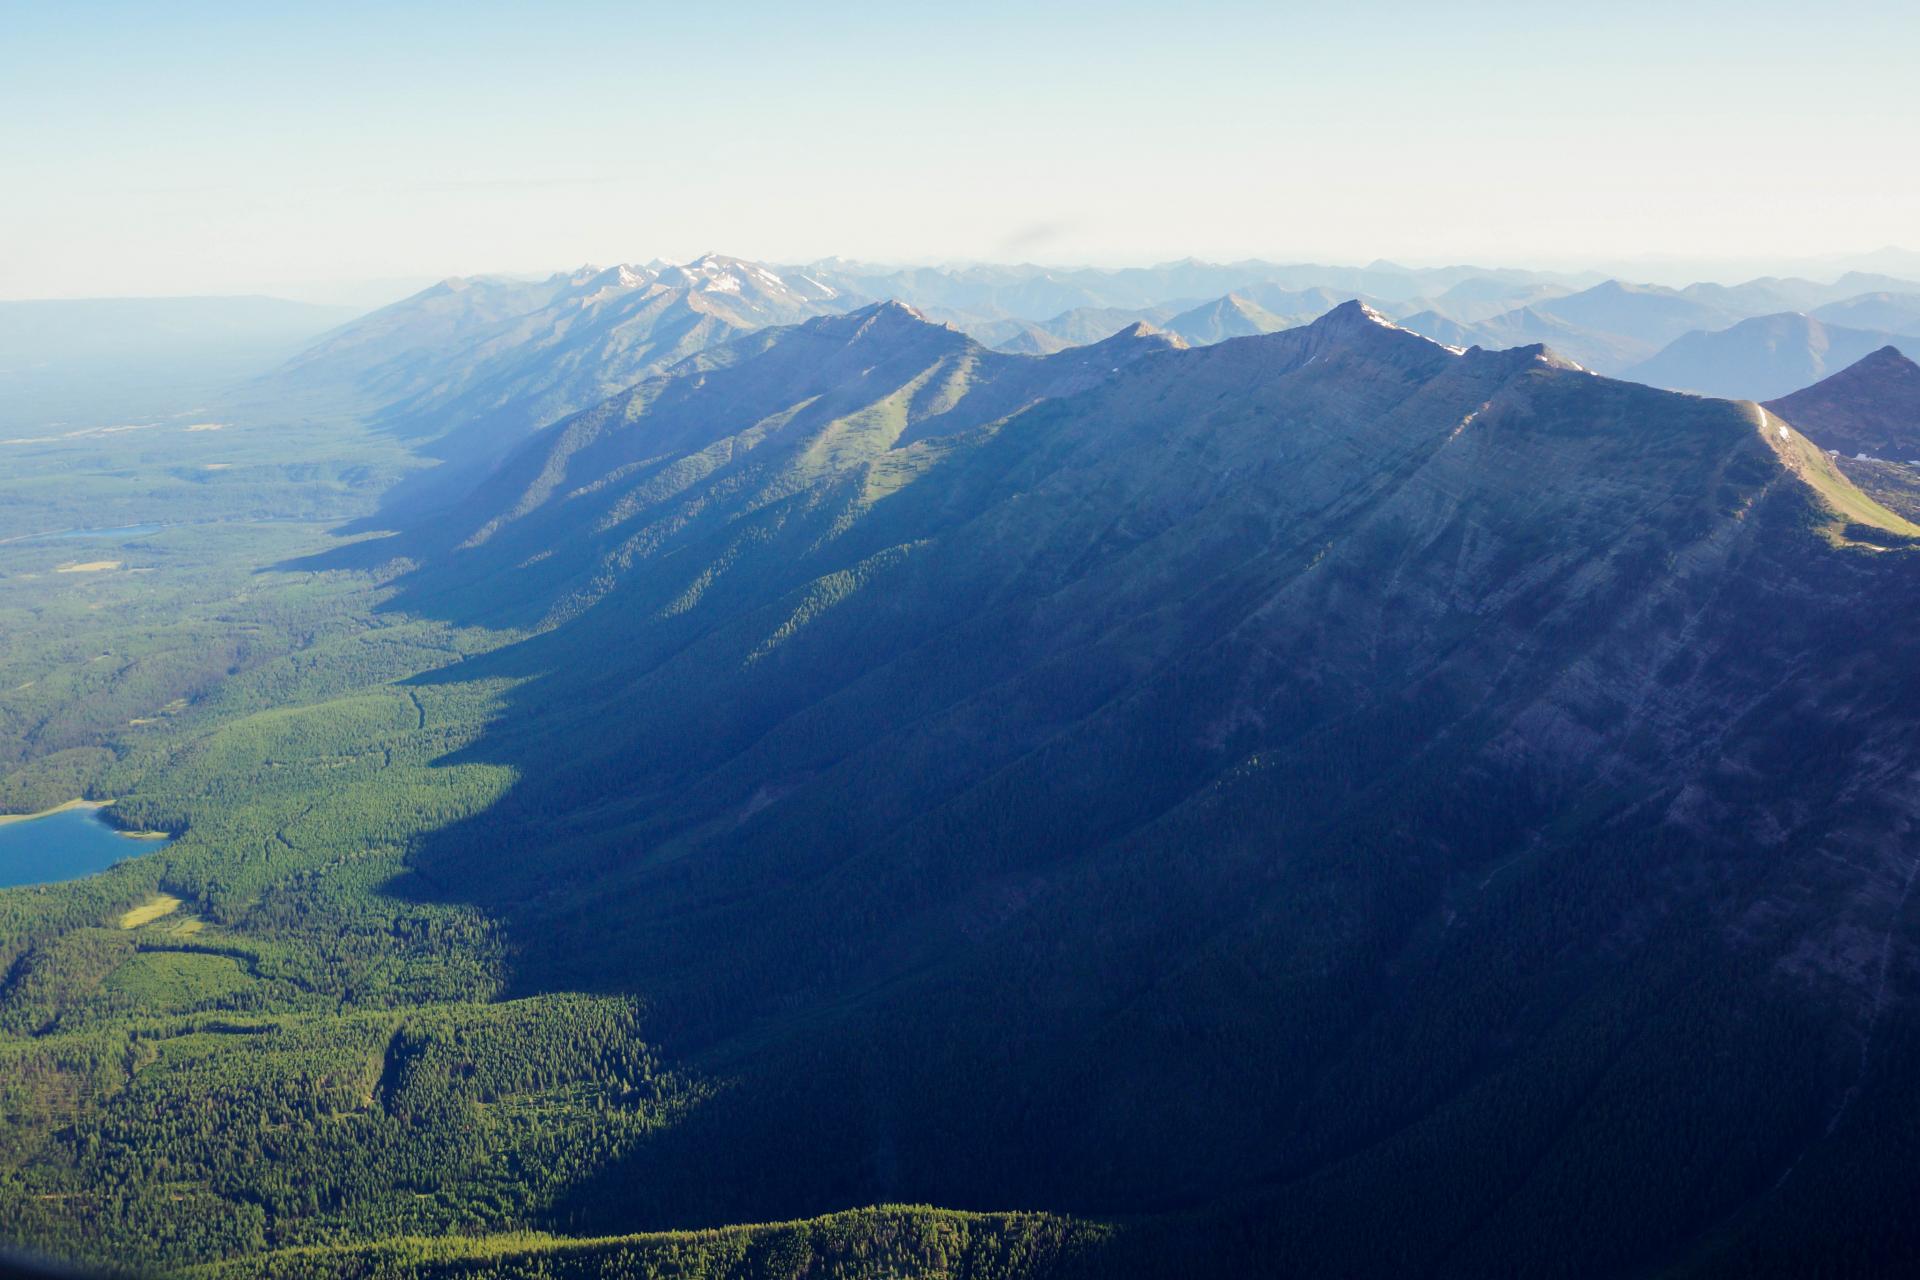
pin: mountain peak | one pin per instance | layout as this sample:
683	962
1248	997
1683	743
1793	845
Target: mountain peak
1356	319
891	321
621	276
1140	333
1354	316
1872	406
895	309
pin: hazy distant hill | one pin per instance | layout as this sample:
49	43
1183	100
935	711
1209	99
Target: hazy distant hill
1259	308
1608	328
1890	312
1038	293
1645	314
1482	298
1602	352
1761	358
1091	324
1031	340
1230	317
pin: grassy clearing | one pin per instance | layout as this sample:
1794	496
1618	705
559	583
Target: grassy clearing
1811	463
859	1244
161	904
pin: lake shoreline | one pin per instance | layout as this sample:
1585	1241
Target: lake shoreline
66	807
70	805
68	842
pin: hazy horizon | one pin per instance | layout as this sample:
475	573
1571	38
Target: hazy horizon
231	151
354	293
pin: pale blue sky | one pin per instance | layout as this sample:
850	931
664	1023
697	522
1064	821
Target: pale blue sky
172	148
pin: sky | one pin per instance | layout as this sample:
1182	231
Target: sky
177	148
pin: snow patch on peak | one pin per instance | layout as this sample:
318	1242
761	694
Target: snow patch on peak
622	277
1355	314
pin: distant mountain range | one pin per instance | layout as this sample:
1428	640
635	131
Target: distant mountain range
468	368
1592	349
1891	312
464	354
1036	293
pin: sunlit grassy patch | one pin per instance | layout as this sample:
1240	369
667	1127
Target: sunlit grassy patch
1840	494
161	904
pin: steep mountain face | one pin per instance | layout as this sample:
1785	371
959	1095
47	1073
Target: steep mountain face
1272	788
1872	406
1759	359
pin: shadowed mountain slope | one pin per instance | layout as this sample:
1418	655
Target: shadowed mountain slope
1245	781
